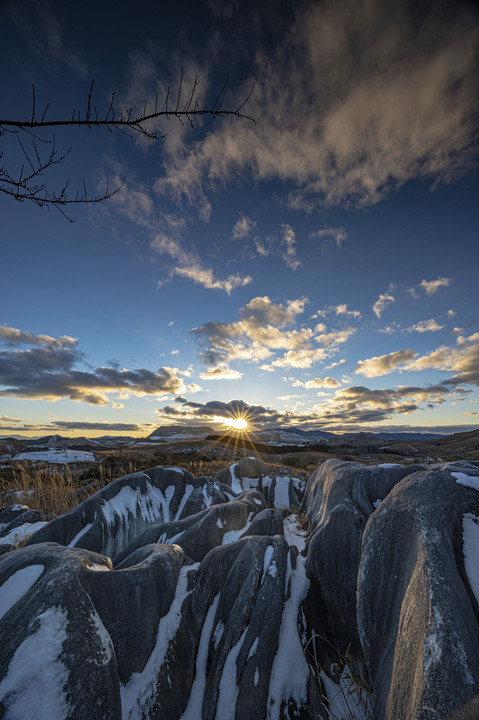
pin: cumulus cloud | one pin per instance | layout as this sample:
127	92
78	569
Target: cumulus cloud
191	267
350	110
383	301
432	286
263	329
47	368
351	407
343	361
384	364
359	404
425	326
254	414
328	382
339	310
221	373
463	360
297	359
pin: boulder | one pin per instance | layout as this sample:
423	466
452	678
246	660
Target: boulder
339	498
417	610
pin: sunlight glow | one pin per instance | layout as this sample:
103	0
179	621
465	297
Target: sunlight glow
238	423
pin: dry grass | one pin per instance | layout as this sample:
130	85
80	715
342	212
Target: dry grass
49	489
353	698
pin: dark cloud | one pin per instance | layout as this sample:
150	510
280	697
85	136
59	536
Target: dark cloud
108	427
47	370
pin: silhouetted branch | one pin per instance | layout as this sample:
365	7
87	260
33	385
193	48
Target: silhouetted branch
30	184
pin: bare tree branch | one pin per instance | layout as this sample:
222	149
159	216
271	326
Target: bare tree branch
31	186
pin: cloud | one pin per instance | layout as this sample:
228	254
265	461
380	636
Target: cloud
74	425
108	427
425	326
288	243
263	329
283	242
221	373
260	330
330	236
328	382
243	228
384	364
359	404
463	360
383	301
297	359
255	414
350	408
340	310
343	361
42	32
47	368
190	266
14	337
349	110
432	286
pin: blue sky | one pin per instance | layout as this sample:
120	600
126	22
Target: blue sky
318	266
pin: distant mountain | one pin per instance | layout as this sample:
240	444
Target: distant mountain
408	436
313	434
47	440
180	432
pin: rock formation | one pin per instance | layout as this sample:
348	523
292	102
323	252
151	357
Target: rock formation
169	597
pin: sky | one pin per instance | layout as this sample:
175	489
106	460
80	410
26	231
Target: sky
315	264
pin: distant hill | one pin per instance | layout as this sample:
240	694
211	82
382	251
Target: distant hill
177	432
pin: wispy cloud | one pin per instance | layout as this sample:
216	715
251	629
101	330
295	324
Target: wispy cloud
432	286
188	265
340	310
243	228
383	301
379	101
41	30
330	236
288	244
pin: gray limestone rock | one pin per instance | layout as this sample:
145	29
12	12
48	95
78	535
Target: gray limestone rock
339	498
207	612
200	533
109	521
7	514
417	613
28	516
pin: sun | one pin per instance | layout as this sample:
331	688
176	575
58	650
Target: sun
238	423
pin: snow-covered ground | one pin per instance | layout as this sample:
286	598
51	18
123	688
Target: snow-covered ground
293	532
346	700
57	456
